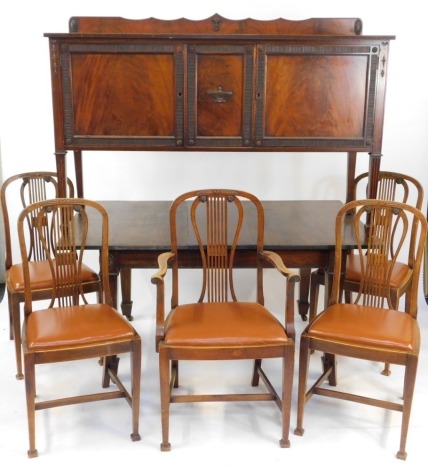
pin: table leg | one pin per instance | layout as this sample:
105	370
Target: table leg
113	274
329	272
113	288
125	284
328	281
78	169
303	303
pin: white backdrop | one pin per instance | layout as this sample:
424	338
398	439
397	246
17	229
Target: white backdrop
27	144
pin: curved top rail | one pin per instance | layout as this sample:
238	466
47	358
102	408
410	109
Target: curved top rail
216	24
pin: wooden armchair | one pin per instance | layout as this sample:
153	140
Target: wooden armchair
371	328
70	327
218	326
20	191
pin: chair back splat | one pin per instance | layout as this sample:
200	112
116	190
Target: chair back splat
216	224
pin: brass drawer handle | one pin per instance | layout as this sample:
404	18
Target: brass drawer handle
220	95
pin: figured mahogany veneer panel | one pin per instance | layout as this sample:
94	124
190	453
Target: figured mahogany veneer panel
111	91
320	95
121	94
316	96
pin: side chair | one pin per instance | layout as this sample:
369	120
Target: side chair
18	192
71	326
210	225
391	186
372	327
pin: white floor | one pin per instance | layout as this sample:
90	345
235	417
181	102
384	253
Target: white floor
208	436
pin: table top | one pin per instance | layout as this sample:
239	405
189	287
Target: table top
289	225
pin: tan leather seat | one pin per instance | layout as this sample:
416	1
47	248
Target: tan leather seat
229	324
41	276
368	327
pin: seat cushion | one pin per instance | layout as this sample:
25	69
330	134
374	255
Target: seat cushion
64	327
369	327
400	272
40	276
223	324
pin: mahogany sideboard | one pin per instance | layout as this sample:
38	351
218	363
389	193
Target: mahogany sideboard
315	85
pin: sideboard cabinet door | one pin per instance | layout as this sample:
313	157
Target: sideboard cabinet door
219	95
320	96
122	95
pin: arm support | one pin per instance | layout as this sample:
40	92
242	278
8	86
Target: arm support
292	277
158	280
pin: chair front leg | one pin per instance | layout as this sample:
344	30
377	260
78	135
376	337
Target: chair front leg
30	393
136	380
15	317
287	390
409	386
303	379
165	392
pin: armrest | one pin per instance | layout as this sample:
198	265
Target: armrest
277	262
163	260
292	277
158	280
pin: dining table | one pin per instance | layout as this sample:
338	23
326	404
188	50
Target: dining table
302	232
